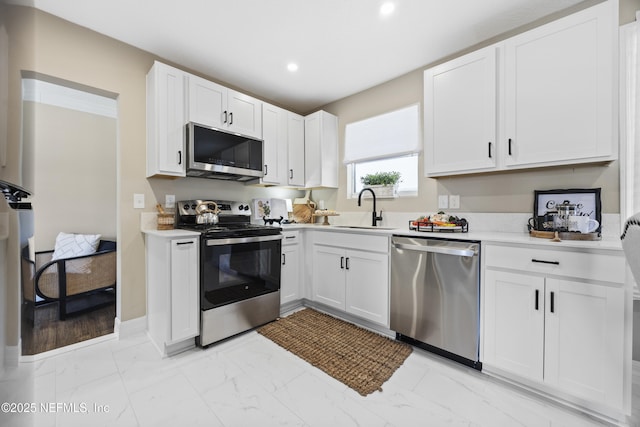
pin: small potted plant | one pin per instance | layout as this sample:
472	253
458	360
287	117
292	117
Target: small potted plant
385	184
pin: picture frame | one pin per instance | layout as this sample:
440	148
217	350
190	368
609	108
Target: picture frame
587	201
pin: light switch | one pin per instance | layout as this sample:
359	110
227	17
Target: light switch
138	201
443	202
454	202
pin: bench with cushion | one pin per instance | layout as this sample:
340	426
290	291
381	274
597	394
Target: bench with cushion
78	283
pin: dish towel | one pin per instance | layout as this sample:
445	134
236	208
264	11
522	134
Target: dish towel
631	244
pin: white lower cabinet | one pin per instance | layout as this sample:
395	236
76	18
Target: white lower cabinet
291	271
351	274
553	325
173	307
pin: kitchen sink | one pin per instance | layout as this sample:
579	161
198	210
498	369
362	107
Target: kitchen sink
364	227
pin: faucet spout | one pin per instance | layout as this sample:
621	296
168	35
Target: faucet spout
374	216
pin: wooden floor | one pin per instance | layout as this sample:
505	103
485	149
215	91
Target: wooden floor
49	333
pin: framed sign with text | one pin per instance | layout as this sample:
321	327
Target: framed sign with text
586	201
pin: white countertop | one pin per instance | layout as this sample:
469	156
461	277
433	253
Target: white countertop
512	223
170	234
607	243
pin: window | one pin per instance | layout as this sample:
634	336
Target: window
385	143
406	165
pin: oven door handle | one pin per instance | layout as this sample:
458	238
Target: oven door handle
236	240
436	249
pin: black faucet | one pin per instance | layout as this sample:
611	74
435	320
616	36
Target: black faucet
374	218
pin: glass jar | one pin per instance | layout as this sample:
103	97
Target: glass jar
561	221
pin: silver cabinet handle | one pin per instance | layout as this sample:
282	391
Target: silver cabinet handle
236	240
436	249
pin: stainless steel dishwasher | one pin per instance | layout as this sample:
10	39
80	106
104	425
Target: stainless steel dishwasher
435	296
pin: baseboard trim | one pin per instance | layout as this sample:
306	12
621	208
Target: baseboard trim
12	354
67	348
130	327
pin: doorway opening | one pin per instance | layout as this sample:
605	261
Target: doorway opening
69	137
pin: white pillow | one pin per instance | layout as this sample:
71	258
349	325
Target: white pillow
73	245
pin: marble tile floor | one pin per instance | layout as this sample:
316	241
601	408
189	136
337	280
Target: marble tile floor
250	381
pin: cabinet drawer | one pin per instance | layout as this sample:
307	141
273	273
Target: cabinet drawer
609	267
363	242
290	237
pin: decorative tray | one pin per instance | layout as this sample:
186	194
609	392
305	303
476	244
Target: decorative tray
565	235
417	226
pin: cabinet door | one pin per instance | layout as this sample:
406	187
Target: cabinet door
460	114
290	281
165	121
585	340
514	323
245	114
274	134
328	276
367	285
321	150
295	146
207	102
560	89
185	308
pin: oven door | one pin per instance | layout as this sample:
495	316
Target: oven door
238	268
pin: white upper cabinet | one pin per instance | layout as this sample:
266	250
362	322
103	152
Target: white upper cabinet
274	134
560	91
295	156
545	97
207	102
321	150
214	105
460	114
166	117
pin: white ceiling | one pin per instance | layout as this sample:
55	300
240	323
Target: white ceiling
342	46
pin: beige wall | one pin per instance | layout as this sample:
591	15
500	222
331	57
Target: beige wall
45	44
489	192
74	172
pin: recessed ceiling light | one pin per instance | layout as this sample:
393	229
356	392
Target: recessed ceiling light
387	8
292	66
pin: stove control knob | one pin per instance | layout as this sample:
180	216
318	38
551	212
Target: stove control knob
246	207
194	206
241	207
186	207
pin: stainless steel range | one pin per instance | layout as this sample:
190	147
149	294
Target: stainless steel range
239	267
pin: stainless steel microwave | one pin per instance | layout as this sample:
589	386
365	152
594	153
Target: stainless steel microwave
216	153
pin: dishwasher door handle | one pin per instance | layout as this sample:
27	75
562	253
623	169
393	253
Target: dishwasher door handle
436	249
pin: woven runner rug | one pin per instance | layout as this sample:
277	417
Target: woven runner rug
361	359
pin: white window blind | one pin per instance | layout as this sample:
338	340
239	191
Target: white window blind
392	134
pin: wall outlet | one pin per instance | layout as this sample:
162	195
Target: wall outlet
138	201
454	202
443	202
169	201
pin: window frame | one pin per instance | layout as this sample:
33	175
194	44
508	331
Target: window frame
352	179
